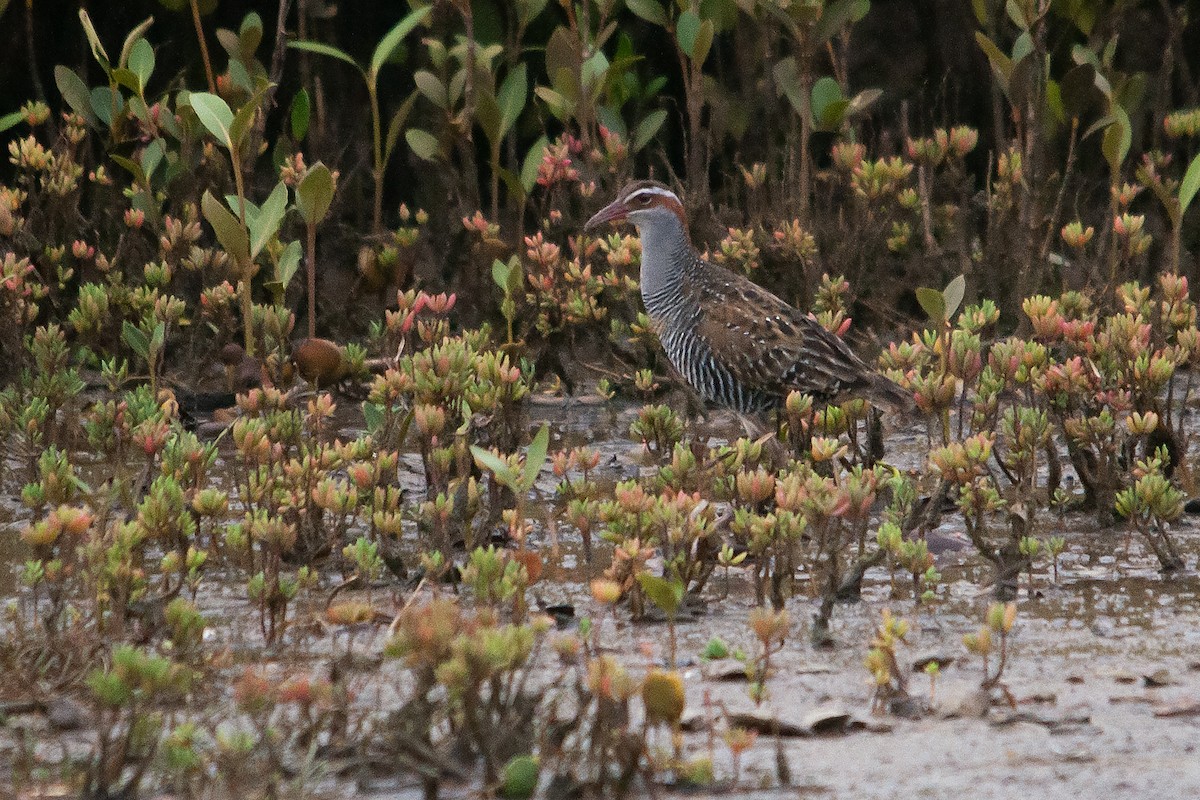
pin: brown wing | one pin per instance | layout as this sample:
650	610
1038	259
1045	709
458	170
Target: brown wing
767	344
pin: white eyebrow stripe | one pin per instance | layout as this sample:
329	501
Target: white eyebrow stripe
654	190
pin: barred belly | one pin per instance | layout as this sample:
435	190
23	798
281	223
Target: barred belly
691	356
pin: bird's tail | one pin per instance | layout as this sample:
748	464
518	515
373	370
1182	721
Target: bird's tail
887	395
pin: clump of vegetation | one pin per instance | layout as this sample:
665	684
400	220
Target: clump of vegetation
158	202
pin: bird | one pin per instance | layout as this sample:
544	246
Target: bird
736	343
320	362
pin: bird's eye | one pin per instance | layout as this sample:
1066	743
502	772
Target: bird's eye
643	199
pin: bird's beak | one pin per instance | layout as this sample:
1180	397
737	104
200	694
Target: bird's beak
610	213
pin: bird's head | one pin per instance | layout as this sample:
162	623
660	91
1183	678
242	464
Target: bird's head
644	203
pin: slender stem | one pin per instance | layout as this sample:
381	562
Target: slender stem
208	70
247	302
376	132
1062	189
312	280
39	91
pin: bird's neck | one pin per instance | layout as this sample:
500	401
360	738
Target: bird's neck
666	253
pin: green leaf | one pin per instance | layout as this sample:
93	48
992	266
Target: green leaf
825	93
933	302
396	126
1001	64
531	163
687	28
953	294
787	82
372	416
75	92
137	340
487	114
391	40
158	338
837	15
98	51
230	233
245	116
500	272
141	63
133	37
1017	14
1189	185
300	115
107	102
704	40
214	114
535	457
1116	140
314	193
432	88
649	10
666	594
494	464
556	103
322	49
289	263
266	222
10	120
423	143
863	100
648	128
513	94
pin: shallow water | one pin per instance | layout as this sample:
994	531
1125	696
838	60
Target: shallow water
1079	651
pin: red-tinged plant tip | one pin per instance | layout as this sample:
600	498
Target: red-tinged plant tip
134	218
963	140
1125	194
42	533
848	156
1076	235
606	592
349	612
254	692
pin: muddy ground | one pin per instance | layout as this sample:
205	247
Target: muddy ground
1104	664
